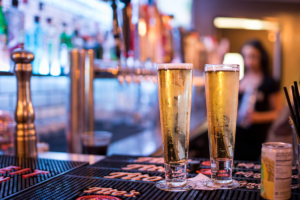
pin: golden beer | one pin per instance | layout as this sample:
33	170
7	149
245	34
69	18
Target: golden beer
175	93
221	86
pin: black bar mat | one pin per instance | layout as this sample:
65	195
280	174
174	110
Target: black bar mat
72	184
131	160
17	183
71	187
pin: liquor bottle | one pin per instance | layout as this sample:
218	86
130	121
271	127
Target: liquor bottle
4	54
114	50
42	13
15	20
167	38
44	67
53	48
155	49
65	46
99	45
65	38
36	38
142	34
44	63
116	30
3	27
90	41
77	41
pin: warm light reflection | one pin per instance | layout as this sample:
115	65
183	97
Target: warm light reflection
114	71
243	23
168	89
142	27
121	79
235	58
165	19
136	79
128	79
272	37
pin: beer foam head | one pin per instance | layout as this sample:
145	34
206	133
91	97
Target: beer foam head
175	66
222	67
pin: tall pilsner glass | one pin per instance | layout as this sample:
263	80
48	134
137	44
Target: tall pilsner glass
175	93
222	87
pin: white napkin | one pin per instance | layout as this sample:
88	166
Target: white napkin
198	180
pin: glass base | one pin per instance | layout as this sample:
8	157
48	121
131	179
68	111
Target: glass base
210	183
163	186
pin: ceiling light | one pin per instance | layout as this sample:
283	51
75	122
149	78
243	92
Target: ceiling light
243	23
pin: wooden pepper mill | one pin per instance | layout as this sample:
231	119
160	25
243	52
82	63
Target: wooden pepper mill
25	136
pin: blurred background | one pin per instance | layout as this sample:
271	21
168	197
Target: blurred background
127	38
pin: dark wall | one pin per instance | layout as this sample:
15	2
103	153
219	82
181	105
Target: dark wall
237	38
204	11
287	14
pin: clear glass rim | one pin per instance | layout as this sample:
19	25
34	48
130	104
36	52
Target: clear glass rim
101	134
174	66
275	145
222	67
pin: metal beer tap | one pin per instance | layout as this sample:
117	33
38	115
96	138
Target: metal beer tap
25	135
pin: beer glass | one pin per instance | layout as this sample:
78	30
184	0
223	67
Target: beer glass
175	92
221	87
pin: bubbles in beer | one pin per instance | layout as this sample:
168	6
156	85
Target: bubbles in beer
175	104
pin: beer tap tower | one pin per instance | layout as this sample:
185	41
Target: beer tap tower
25	135
81	108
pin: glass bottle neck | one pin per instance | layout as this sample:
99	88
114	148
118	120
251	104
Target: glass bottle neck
3	23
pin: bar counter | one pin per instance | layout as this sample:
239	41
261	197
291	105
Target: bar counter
91	159
76	176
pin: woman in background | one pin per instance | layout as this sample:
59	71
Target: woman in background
259	102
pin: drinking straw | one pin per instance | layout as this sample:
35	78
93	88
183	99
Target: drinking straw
293	126
297	97
290	107
296	108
